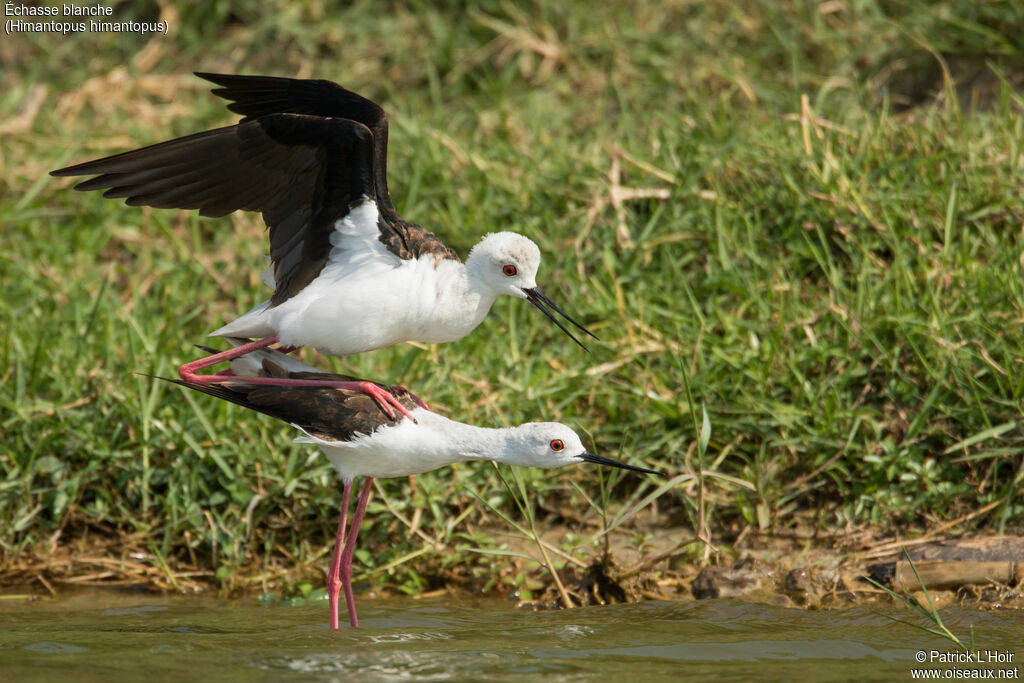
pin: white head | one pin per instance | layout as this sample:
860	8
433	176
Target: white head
507	263
551	444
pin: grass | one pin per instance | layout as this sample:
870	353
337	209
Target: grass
928	612
810	214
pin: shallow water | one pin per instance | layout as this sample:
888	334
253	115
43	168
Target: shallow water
117	636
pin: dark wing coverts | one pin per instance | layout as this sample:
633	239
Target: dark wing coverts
328	413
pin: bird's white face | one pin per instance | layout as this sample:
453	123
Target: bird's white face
551	444
507	262
546	444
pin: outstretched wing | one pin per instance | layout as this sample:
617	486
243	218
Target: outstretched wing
256	96
303	172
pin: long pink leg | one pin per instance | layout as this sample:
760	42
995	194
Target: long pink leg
350	546
188	373
333	582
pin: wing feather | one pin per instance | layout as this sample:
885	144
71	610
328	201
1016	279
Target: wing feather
331	414
304	153
255	96
302	172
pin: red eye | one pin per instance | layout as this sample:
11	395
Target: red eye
509	270
557	445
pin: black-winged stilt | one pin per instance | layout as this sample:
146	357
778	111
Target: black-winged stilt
350	275
362	440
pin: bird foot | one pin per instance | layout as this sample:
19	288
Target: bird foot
385	399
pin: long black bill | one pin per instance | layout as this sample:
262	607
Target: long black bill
601	460
537	298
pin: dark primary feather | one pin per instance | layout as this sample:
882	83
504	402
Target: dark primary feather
256	96
305	151
328	413
302	172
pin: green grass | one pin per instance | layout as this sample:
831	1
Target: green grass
838	282
925	610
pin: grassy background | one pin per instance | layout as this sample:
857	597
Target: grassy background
810	212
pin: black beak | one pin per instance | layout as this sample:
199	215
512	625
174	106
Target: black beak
601	460
537	298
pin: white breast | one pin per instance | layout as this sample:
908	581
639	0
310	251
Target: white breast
367	298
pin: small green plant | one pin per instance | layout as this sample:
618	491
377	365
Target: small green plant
703	435
929	611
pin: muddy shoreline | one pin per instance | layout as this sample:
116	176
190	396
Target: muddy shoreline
808	569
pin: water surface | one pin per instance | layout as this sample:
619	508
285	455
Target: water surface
117	636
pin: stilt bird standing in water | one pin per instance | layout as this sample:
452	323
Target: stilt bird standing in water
362	440
350	275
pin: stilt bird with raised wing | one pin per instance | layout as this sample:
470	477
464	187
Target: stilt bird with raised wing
350	275
361	440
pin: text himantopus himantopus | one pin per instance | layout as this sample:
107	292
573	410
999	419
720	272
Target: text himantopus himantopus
350	275
362	440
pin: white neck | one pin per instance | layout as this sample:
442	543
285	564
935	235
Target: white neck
458	441
462	302
411	448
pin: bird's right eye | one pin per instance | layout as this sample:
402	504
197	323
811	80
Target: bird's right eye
509	270
557	445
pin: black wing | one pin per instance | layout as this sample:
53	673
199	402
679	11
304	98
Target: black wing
257	96
302	172
328	413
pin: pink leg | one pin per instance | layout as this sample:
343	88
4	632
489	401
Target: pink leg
350	546
188	373
333	582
